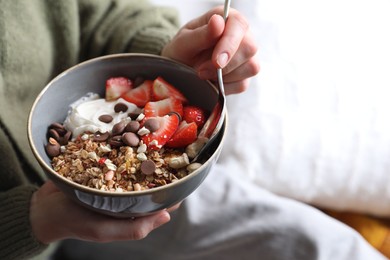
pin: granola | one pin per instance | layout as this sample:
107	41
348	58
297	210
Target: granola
97	165
127	142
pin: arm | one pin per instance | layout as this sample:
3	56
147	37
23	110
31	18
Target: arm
124	26
16	238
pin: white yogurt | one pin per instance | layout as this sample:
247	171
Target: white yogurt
84	114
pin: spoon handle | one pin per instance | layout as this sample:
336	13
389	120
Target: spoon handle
213	125
226	8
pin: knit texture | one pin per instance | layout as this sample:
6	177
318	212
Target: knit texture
38	40
16	239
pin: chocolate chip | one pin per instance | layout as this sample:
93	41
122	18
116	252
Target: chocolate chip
148	167
120	107
101	137
54	134
61	131
106	118
130	139
116	141
56	126
132	126
152	124
53	148
133	115
118	128
65	139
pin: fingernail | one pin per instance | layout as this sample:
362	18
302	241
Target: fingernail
162	219
222	59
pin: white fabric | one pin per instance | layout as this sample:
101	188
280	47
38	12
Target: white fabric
315	123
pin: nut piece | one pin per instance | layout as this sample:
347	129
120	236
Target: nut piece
193	167
179	162
143	131
53	148
142	157
109	175
193	149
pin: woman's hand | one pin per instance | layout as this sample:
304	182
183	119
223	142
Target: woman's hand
206	43
54	217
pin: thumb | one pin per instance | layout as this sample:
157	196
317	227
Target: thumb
47	188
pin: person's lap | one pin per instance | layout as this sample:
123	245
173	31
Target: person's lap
230	218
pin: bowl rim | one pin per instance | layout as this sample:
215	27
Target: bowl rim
82	188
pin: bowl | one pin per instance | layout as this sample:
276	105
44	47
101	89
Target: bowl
52	105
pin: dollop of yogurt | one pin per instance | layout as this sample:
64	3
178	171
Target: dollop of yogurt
83	115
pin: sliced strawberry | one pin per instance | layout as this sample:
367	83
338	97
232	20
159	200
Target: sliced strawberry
162	89
117	86
185	134
163	107
194	114
157	139
139	95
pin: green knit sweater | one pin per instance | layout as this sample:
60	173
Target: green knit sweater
38	40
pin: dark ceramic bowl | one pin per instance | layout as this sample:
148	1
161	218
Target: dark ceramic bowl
52	105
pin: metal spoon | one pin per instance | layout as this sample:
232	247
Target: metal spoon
214	123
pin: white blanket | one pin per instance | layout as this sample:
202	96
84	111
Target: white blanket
315	123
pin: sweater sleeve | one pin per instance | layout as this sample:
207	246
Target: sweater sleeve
124	26
16	238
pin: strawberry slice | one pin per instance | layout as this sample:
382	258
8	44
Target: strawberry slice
139	95
116	86
157	139
185	134
163	107
162	89
194	114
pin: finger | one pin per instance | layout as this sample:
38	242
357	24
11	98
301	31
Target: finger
107	229
191	44
235	30
245	53
236	87
205	18
206	36
246	70
174	207
47	188
143	226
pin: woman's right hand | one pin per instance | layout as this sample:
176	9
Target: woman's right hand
54	217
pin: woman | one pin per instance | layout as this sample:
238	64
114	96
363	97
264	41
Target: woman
38	40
